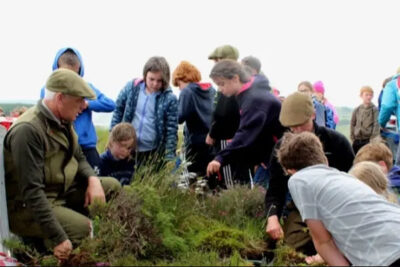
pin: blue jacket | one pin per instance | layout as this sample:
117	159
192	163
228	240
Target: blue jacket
122	170
166	115
195	108
389	104
83	124
329	118
319	112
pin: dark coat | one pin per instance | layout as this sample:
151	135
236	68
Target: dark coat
338	151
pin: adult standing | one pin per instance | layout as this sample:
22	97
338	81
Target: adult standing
298	114
389	106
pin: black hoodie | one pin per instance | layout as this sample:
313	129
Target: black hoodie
337	150
259	127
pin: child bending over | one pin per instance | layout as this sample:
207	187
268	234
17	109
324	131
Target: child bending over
348	221
372	175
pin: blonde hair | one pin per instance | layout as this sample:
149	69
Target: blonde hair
372	175
367	89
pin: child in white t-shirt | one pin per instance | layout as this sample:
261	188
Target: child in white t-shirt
348	221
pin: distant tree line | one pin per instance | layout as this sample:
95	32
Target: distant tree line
9	107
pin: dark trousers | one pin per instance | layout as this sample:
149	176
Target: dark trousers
93	158
359	143
236	172
296	233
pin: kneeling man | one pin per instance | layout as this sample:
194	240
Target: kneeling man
49	183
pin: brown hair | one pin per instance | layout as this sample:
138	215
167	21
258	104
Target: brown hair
158	64
186	73
375	151
123	131
366	88
372	175
69	58
228	68
307	84
298	151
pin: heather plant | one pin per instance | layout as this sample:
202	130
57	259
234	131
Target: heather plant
153	222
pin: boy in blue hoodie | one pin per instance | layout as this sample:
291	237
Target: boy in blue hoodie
70	58
195	107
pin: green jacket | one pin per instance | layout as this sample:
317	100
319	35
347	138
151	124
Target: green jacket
42	160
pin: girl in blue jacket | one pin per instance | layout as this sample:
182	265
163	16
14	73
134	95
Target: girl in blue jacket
152	108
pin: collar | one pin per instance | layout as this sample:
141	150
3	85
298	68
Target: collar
143	88
48	113
246	86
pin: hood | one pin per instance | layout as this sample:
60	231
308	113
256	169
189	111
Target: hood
203	90
261	81
62	51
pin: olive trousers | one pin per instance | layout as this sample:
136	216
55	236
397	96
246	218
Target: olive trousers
68	210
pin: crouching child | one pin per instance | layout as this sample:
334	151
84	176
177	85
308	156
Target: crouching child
348	221
117	161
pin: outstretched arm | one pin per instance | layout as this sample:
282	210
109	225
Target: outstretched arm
325	245
101	103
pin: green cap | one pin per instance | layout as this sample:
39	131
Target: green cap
225	52
296	109
70	83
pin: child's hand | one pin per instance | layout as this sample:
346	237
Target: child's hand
316	259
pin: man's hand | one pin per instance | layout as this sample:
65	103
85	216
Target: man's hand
213	167
274	228
94	191
62	250
210	141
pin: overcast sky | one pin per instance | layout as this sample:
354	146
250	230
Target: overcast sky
346	44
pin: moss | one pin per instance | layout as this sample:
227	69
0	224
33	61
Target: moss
285	255
224	240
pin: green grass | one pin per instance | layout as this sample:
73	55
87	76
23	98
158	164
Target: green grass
102	138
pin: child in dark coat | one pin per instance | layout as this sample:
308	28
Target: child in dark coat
117	160
195	110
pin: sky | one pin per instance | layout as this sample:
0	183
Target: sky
346	44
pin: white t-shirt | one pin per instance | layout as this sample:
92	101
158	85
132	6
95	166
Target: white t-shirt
365	227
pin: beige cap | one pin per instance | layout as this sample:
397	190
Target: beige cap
296	109
70	83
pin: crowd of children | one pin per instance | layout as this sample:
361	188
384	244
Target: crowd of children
236	134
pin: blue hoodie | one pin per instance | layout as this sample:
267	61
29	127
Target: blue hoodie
390	102
83	124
